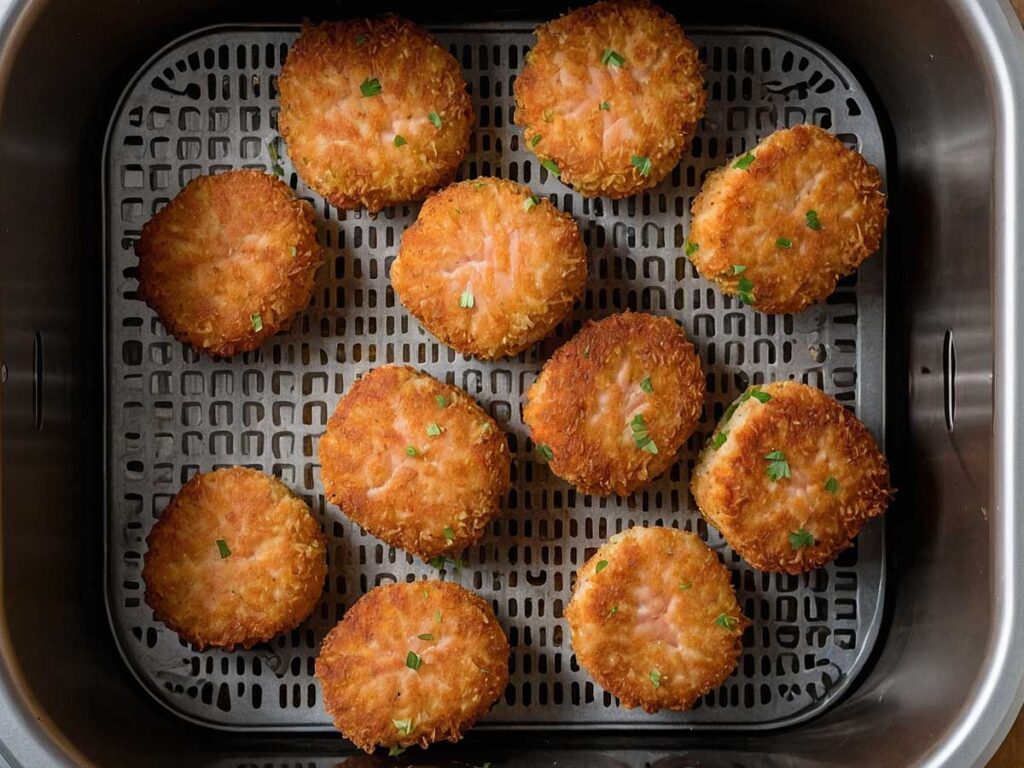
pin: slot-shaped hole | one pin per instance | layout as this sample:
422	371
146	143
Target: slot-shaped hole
949	379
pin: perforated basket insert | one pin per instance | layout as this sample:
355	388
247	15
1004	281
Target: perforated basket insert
208	103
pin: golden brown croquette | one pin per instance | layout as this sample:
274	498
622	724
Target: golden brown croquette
613	405
235	559
489	267
412	663
779	225
229	261
374	112
415	462
654	619
610	97
789	477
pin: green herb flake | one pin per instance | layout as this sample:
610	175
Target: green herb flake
832	485
426	636
535	140
434	430
437	616
400	141
725	621
684	585
442	401
395	751
410	450
360	41
746	291
612	611
612	58
435	119
640	436
552	166
413	660
601	565
223	548
656	678
784	242
545	452
642	164
404	727
719	439
257	321
737	269
275	159
370	87
605	106
530	202
812	220
293	251
801	538
449	534
646	386
466	299
744	162
691	248
778	467
757	394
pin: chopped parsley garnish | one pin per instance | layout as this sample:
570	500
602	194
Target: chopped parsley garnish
744	162
437	616
257	321
784	242
778	467
726	621
684	585
466	299
801	538
601	565
552	166
404	727
738	269
656	678
435	119
426	636
530	202
746	291
535	140
223	548
400	141
294	251
754	392
832	485
643	440
612	58
370	87
413	660
440	561
691	248
441	400
757	394
612	611
646	386
719	439
434	430
545	451
410	450
395	751
360	40
642	164
275	159
605	105
812	221
449	534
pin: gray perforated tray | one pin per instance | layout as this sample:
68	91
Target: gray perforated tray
207	103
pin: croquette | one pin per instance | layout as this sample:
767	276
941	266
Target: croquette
229	261
654	619
415	462
235	559
779	225
489	267
412	663
610	97
789	477
374	112
614	404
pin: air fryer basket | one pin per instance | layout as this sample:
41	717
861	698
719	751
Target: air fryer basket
933	683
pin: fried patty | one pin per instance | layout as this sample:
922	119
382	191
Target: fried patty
229	261
412	663
235	559
374	112
613	405
794	478
780	225
611	94
654	619
489	268
415	462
